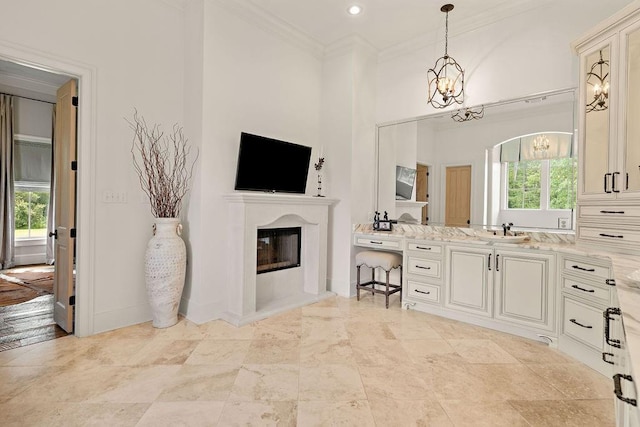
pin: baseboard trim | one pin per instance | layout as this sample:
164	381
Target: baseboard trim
116	319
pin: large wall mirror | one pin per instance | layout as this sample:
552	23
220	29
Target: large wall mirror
515	164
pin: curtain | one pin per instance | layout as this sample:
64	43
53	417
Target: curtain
51	209
7	259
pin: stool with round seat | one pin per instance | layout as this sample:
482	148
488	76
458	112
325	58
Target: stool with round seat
378	259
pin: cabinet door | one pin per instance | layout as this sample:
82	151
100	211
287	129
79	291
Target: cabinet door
524	285
597	107
629	155
469	279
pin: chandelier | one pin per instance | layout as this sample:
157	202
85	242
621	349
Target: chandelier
468	114
598	77
540	143
446	78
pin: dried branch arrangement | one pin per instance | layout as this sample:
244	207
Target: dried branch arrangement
162	164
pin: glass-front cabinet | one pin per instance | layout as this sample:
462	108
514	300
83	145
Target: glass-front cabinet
630	159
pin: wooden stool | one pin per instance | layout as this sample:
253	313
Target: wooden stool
384	260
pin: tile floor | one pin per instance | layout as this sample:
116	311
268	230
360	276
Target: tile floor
338	362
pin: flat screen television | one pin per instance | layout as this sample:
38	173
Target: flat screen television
271	165
405	177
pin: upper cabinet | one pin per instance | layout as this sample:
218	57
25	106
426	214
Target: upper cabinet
609	131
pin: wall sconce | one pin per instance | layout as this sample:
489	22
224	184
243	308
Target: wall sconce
446	78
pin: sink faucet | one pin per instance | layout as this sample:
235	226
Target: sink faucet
506	227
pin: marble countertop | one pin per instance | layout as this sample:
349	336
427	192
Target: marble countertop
628	291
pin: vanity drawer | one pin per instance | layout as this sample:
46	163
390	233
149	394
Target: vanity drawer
583	322
609	235
424	248
423	291
587	289
378	242
617	212
424	267
587	267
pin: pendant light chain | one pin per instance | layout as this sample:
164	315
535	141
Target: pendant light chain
446	35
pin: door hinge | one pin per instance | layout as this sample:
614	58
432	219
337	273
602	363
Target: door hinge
74	165
74	101
72	300
72	233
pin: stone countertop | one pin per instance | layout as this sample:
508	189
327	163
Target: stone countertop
628	291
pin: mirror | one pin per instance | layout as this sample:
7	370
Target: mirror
466	157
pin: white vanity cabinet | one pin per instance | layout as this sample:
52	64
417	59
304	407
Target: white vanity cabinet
509	285
423	267
608	132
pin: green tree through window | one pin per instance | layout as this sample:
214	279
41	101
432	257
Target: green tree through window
526	180
31	213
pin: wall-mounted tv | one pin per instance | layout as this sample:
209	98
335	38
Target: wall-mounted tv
271	165
405	178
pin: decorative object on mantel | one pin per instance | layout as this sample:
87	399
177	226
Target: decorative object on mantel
468	114
598	79
318	167
163	167
446	78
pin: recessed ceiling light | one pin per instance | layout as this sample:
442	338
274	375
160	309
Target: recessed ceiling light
354	10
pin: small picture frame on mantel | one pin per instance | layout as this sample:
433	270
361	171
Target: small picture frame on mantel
383	225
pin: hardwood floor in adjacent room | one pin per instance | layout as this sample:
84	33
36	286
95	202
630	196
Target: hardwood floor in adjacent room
28	323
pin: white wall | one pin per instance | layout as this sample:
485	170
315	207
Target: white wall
135	51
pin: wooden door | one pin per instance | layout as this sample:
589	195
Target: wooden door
65	196
458	196
422	190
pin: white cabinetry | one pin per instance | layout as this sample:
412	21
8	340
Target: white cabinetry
424	272
513	286
608	131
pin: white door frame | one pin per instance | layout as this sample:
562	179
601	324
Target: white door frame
85	203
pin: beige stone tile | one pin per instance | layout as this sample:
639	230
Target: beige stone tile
325	312
317	352
266	382
431	351
400	413
183	330
329	413
483	414
379	353
279	331
14	380
69	414
212	382
259	413
273	351
141	331
219	352
116	351
58	352
164	352
575	381
452	329
402	382
219	329
186	414
412	330
530	351
7	356
481	351
327	302
578	413
138	384
361	330
330	382
319	328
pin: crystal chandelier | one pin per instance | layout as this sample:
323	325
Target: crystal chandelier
540	143
446	78
468	114
598	78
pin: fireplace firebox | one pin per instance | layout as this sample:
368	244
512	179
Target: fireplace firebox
278	249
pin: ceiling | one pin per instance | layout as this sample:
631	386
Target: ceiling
387	23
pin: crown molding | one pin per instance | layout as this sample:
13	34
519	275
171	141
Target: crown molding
257	16
347	45
460	27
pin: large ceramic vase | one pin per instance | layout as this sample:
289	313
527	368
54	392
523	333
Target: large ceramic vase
165	265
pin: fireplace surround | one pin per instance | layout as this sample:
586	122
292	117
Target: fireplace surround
253	296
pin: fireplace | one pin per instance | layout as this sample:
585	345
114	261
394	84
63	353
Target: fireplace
278	249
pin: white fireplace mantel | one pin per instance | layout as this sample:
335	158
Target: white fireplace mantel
250	211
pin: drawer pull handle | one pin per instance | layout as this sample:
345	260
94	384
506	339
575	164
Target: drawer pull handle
489	263
604	357
580	324
606	184
374	242
577	267
617	388
424	248
422	292
612	212
610	282
610	311
582	289
613	236
424	268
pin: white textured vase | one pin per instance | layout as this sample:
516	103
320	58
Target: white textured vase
165	264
